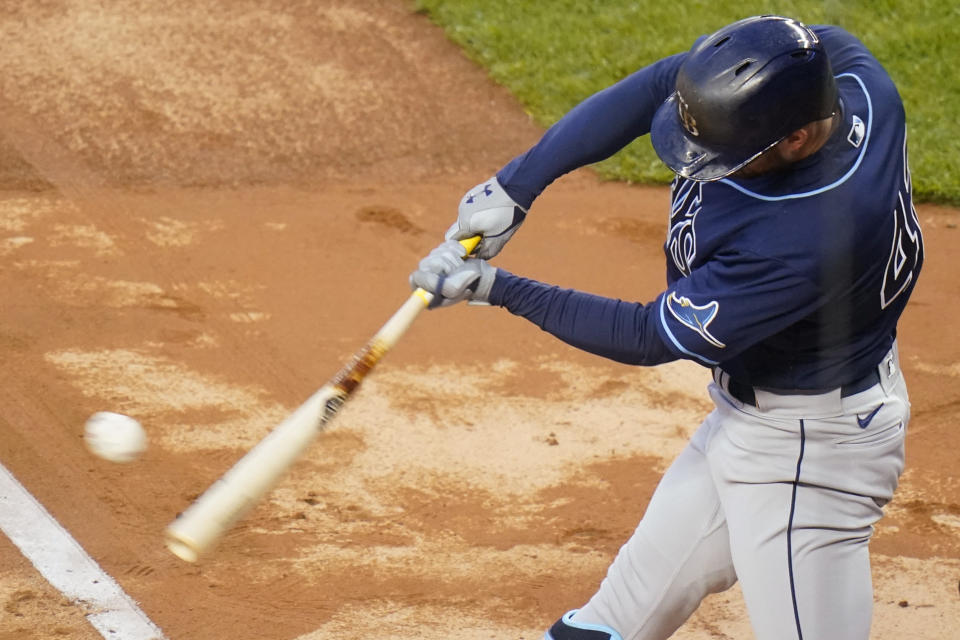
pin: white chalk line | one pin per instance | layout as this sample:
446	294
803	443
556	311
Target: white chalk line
66	566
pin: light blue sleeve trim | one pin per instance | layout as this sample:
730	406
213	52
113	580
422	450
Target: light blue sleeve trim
853	169
676	343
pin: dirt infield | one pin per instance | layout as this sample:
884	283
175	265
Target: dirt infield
207	207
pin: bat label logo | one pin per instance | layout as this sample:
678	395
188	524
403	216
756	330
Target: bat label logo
331	408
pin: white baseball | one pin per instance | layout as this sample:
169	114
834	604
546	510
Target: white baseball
115	437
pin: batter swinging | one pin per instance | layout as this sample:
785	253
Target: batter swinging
792	249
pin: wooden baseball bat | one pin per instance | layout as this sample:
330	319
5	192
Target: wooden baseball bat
197	529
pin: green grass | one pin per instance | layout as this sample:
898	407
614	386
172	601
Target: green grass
551	54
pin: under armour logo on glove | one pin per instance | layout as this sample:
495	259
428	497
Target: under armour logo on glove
487	210
471	197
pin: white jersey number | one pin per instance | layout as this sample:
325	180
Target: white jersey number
906	244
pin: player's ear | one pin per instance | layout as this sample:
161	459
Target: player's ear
794	146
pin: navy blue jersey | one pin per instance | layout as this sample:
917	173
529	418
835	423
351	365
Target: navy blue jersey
790	280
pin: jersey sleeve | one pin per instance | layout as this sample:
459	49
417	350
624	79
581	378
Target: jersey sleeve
594	130
845	50
622	331
731	303
849	55
721	309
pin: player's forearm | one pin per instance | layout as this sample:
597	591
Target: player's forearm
614	329
594	130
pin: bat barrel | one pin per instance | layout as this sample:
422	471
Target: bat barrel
203	523
197	529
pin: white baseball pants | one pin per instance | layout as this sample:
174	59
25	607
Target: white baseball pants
782	499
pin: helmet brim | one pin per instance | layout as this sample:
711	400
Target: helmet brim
685	155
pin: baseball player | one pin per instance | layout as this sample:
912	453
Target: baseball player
791	251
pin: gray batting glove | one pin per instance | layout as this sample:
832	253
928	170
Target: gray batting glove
488	211
451	279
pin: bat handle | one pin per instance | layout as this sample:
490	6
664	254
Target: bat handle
470	244
425	296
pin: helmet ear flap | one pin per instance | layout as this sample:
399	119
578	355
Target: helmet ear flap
739	92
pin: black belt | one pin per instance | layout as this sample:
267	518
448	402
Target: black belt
745	393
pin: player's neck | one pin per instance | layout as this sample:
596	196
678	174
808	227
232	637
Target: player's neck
801	144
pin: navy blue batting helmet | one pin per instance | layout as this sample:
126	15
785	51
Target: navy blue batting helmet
739	92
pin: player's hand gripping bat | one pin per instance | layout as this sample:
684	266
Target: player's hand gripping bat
236	491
